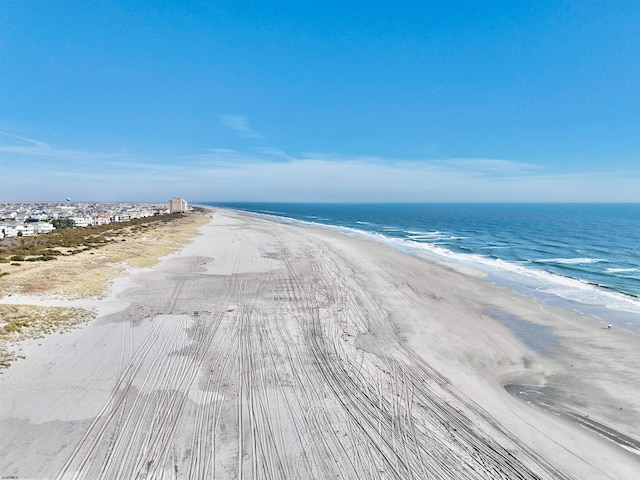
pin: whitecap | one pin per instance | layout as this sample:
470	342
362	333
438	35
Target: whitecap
434	233
568	261
550	283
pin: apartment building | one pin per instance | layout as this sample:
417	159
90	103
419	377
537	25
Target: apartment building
177	205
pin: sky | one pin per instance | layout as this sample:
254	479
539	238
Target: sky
325	101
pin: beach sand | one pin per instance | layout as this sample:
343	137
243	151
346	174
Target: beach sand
263	350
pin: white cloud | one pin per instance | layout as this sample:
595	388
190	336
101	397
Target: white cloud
41	171
491	166
30	147
29	141
240	125
372	179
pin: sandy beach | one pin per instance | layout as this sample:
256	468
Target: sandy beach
264	350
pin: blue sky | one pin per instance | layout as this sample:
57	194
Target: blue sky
320	101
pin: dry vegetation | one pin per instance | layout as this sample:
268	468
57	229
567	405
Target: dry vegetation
20	322
85	259
72	241
78	263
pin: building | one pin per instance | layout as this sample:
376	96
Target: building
15	229
42	227
121	217
82	221
177	205
102	218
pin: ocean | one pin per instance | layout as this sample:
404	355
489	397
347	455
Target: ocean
580	256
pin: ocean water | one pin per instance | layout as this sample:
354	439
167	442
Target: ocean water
581	256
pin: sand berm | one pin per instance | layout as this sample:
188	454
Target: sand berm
270	351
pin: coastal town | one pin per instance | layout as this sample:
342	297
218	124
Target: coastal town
25	219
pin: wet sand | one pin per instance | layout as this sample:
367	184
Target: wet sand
264	350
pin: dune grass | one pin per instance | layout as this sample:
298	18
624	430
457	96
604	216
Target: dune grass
21	322
86	260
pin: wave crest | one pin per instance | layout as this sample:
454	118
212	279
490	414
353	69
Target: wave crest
568	261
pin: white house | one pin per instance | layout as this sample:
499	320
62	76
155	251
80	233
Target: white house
25	230
15	229
102	218
82	221
141	213
121	217
8	229
43	227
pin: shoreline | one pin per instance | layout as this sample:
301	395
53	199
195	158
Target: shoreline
407	347
562	361
609	305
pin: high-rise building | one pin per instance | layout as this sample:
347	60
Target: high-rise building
177	205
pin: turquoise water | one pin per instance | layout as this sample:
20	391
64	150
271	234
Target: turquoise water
584	256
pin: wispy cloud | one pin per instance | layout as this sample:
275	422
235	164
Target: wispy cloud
31	168
29	141
224	158
32	147
275	154
240	125
338	157
459	166
488	166
335	177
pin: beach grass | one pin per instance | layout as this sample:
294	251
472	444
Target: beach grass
22	322
86	259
